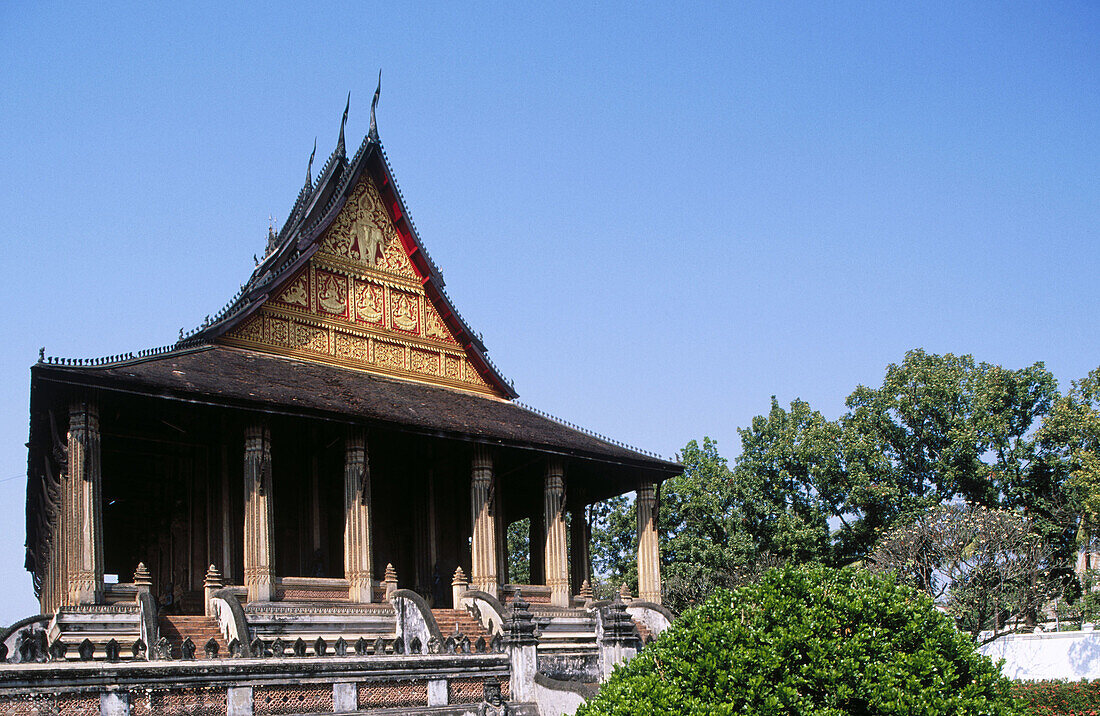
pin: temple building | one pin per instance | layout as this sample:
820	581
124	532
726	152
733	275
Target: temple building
324	469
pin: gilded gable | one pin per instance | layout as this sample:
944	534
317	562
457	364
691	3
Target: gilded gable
359	303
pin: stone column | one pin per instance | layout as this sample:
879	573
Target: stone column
82	523
483	548
259	571
580	563
649	557
555	549
358	567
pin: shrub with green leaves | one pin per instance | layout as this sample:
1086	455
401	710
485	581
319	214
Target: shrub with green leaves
809	640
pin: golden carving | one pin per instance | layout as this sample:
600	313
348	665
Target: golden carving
424	361
369	302
332	293
253	330
361	288
434	327
297	293
311	338
405	311
389	355
280	331
363	233
452	367
352	347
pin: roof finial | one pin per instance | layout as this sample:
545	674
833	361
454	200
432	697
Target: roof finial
373	133
309	167
340	144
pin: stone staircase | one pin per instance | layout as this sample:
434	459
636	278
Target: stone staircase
176	629
448	619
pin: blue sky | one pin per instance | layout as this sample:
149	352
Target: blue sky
657	216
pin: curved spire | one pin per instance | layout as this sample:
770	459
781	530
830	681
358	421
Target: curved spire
340	144
373	133
309	167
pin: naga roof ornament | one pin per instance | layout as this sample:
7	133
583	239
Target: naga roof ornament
373	133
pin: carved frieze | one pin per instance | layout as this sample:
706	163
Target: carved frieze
389	355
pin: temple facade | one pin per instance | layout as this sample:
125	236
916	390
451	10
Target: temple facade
326	468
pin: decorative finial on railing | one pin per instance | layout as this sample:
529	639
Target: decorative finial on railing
390	580
586	593
459	585
143	581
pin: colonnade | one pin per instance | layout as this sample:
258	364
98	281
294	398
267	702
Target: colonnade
75	570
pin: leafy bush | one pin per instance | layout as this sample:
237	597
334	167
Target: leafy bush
1058	698
809	640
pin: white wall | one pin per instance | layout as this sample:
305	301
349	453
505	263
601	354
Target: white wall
1069	655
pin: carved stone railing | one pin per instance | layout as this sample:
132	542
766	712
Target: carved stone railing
485	608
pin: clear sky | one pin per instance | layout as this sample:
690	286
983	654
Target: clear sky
657	216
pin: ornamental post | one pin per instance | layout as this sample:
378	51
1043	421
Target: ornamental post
555	554
82	518
649	557
358	564
483	552
259	572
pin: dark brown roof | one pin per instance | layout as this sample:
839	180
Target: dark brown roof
253	380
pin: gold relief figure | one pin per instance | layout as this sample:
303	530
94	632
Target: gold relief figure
369	302
434	326
405	313
371	243
332	293
296	293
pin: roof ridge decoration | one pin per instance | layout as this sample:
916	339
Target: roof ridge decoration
348	282
373	133
590	433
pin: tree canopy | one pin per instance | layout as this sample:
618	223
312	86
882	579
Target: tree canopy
939	430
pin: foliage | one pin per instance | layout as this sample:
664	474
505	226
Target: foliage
1057	698
702	515
939	430
519	551
613	545
976	563
810	640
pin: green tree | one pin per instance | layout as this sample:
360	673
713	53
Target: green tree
809	640
613	545
704	543
519	551
1070	439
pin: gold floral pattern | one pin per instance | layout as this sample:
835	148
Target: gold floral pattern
424	361
389	355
